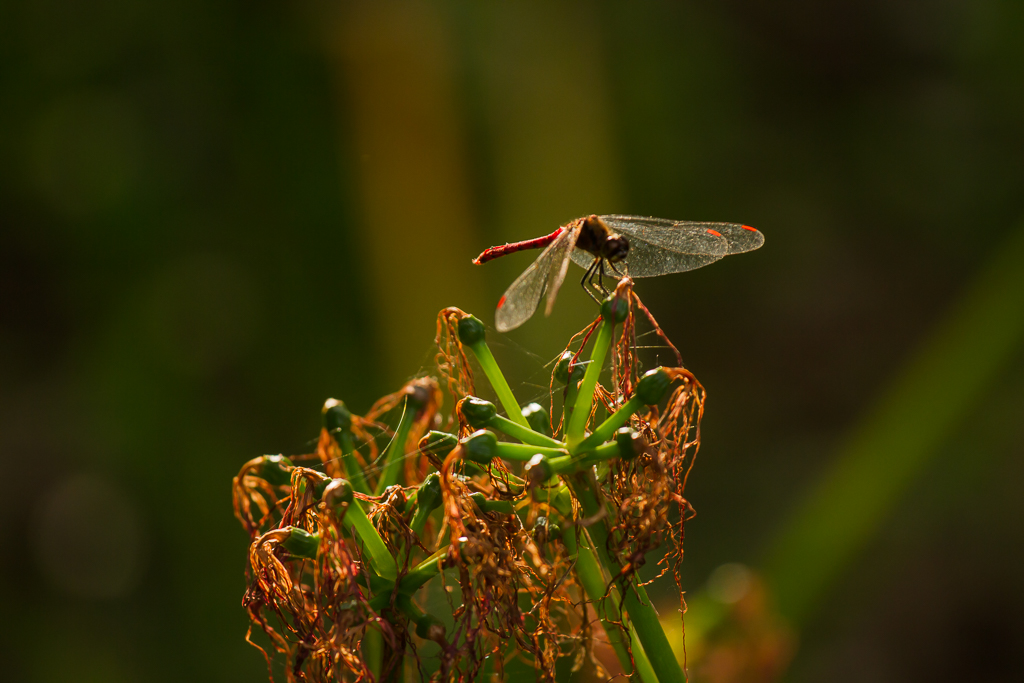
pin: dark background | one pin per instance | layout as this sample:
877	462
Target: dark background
213	216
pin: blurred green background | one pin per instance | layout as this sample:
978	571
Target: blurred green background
213	216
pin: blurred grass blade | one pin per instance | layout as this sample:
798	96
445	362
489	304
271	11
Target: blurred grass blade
926	405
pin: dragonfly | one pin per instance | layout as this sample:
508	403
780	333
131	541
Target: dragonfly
636	246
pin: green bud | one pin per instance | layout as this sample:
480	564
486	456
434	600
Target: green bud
430	627
418	393
471	330
275	469
488	505
428	496
545	531
538	418
540	530
337	493
615	309
562	368
477	411
438	443
395	497
336	416
576	376
653	386
631	443
480	446
301	543
538	470
321	486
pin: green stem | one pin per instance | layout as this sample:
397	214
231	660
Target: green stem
498	382
517	431
588	569
380	558
423	572
373	650
572	391
523	452
569	464
638	606
581	410
394	459
353	472
606	429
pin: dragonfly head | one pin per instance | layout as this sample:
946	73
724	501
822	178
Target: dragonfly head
615	248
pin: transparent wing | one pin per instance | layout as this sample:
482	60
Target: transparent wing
658	246
544	275
559	267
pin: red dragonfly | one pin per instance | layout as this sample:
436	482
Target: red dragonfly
642	247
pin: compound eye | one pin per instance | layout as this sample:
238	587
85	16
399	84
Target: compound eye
617	248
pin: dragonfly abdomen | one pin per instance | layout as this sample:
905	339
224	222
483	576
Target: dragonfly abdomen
536	243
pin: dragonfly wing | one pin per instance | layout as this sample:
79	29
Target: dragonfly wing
560	266
582	258
658	246
521	298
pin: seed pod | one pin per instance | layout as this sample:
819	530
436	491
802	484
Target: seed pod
395	497
438	443
336	416
538	418
321	485
653	386
430	627
538	470
562	368
541	532
275	469
480	446
471	330
631	443
418	392
301	543
338	493
428	496
477	411
615	309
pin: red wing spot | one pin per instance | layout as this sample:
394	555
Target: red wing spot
747	227
715	233
501	302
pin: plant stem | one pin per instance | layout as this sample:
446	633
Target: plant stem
594	582
394	458
569	464
606	429
638	606
517	431
498	382
373	650
585	399
353	472
423	572
380	558
572	391
523	452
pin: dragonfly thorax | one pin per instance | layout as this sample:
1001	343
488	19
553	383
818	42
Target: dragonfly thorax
597	239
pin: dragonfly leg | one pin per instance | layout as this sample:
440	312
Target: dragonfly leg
600	278
593	274
589	273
